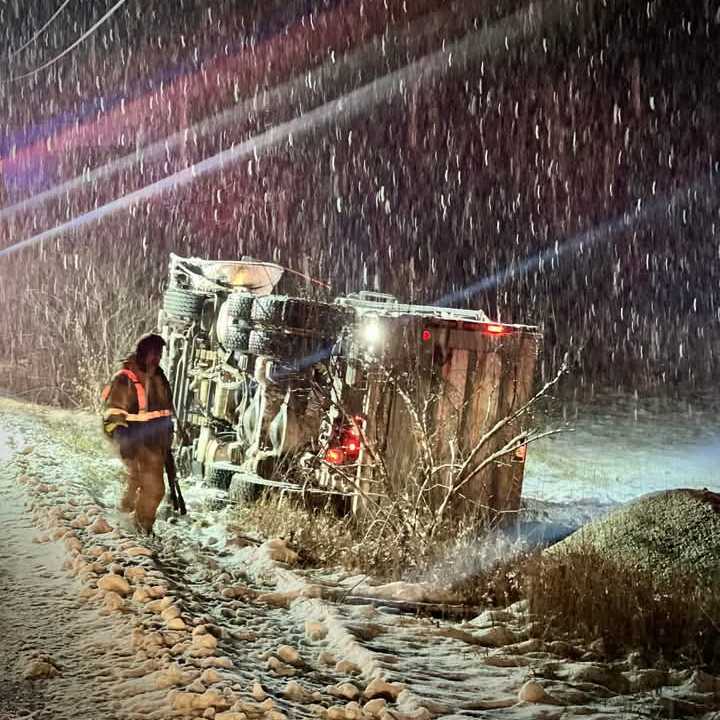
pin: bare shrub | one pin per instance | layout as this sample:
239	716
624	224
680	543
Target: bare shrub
584	593
410	525
69	330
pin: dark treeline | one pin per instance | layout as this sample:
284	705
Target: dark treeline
458	177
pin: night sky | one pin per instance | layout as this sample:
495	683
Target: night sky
568	177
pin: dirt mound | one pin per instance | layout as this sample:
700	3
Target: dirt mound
677	531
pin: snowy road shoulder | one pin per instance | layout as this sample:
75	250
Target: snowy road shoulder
178	626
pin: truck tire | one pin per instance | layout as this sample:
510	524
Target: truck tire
240	305
297	313
235	319
237	338
183	304
289	347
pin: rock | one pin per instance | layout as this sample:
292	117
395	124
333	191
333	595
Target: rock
141	595
419	714
600	675
157	606
289	655
174	675
344	690
170	613
210	676
114	583
230	716
40	669
353	711
137	551
209	713
73	544
280	668
497	636
197	686
100	526
345	667
326	658
378	687
375	707
206	641
257	692
176	624
534	692
297	693
113	602
336	712
507	661
210	698
182	701
157	591
534	645
277	599
135	574
315	630
278	551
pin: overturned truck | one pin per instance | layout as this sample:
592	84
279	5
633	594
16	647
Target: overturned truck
350	399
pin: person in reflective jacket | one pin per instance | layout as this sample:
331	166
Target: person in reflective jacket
137	418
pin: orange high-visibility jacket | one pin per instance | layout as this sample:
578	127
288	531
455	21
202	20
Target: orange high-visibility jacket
140	404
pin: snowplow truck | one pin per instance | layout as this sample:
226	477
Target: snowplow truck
340	397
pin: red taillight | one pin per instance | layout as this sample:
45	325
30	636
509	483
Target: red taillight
350	443
495	329
335	456
347	443
426	335
521	453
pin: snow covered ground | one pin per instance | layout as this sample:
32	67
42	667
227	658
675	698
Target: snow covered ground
617	448
98	622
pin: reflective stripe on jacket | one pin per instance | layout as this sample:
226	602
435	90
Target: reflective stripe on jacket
143	414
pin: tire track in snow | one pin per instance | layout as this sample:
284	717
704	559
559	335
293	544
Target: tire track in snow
43	616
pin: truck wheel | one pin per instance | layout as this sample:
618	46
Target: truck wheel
233	322
183	304
297	313
240	306
289	347
237	338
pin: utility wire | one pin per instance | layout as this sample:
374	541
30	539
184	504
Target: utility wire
85	35
41	30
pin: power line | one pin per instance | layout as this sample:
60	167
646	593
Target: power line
69	49
41	30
